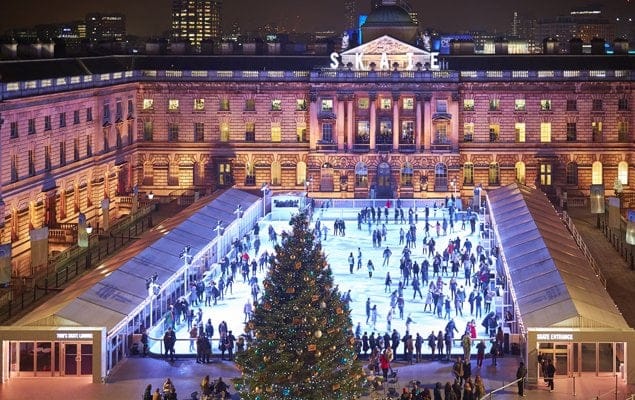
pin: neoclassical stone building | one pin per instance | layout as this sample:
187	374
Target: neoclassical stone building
385	119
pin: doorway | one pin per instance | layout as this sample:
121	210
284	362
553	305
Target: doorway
560	354
78	359
384	183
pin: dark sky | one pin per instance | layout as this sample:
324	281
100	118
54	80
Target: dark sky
151	17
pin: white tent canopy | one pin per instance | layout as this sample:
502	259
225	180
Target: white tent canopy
555	285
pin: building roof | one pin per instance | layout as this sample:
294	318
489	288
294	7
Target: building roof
538	62
554	284
109	294
391	15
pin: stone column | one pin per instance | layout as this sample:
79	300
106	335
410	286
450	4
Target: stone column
395	121
314	126
350	120
453	109
427	120
372	98
340	122
418	127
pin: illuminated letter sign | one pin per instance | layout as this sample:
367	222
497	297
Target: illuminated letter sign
555	336
383	63
73	335
358	61
334	60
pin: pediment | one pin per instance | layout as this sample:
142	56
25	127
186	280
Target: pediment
385	44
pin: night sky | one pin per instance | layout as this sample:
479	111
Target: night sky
152	17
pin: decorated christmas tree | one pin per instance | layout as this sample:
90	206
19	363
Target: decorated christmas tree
303	345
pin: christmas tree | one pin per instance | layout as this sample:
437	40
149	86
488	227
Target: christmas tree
303	345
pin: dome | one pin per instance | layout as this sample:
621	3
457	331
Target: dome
389	16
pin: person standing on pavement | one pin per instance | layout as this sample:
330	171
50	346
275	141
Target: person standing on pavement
521	373
169	339
480	353
550	371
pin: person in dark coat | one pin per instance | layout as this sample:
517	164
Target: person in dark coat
169	340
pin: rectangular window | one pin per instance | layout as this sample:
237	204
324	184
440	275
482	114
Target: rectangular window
494	132
76	117
622	104
519	105
622	131
572	105
519	128
173	105
442	106
62	120
468	105
250	132
148	104
327	133
89	146
468	131
224	105
468	174
494	105
276	105
130	133
14	130
47	123
407	132
596	131
31	126
250	105
31	163
545	174
545	105
62	153
118	111
173	132
408	103
199	132
363	103
300	105
148	130
596	105
75	149
276	133
363	132
89	114
106	114
572	174
224	132
301	133
572	132
130	108
385	104
545	132
47	158
14	168
327	105
199	104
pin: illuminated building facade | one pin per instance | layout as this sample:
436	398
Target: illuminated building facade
105	27
194	21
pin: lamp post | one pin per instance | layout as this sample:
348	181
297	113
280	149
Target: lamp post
264	189
219	233
150	196
597	202
239	215
454	187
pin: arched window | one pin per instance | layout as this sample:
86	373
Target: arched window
572	173
275	173
494	174
361	175
622	172
300	173
596	173
520	172
406	174
441	177
468	173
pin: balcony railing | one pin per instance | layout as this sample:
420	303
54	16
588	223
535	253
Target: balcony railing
361	148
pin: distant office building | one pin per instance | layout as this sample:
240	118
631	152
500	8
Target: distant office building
350	14
106	27
584	24
194	21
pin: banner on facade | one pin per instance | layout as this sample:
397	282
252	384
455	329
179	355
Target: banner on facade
5	264
39	248
630	226
597	199
82	234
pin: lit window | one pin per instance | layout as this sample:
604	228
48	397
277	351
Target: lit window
276	133
276	105
327	105
199	104
386	104
545	174
173	105
596	173
494	105
468	173
622	172
363	103
468	105
300	105
545	105
519	105
148	104
408	103
250	105
224	105
493	177
224	132
596	131
545	132
520	132
494	132
622	131
520	172
468	131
